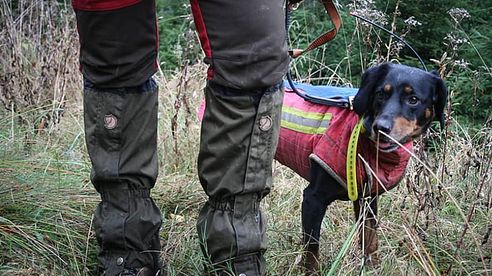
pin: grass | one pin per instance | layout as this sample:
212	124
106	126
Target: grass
46	202
436	222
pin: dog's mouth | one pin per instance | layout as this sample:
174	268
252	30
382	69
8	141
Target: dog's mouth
384	143
386	146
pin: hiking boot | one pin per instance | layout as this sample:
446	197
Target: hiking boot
145	271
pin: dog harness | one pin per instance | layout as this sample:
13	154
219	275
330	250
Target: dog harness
321	133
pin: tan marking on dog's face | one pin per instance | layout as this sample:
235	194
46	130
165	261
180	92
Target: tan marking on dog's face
387	88
428	113
404	129
408	89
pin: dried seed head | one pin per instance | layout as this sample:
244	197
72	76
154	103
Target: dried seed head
458	14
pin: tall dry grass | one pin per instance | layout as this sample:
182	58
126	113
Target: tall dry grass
437	222
39	72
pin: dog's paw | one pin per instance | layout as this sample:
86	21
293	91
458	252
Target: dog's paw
372	260
311	264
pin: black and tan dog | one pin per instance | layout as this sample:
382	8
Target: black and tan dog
394	101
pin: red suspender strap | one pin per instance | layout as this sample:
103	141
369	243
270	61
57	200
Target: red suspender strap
102	5
202	33
335	20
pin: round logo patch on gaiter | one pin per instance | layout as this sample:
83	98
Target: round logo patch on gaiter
110	121
265	123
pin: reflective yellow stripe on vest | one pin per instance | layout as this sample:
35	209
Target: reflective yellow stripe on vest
305	122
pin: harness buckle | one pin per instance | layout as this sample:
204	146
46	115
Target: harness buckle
351	102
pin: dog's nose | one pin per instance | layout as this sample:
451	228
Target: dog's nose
382	125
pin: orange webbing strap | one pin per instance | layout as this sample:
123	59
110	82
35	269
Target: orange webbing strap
337	23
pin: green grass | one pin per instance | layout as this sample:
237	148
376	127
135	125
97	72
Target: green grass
46	203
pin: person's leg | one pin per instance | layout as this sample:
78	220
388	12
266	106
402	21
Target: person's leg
238	141
121	137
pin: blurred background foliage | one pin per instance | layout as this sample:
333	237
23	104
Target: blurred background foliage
453	37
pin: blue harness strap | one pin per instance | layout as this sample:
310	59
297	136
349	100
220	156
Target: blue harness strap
324	94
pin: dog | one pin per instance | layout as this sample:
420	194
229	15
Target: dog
395	104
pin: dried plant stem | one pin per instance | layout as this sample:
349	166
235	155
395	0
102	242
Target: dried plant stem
451	197
423	257
469	216
393	28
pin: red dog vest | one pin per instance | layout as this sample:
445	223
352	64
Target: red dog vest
321	133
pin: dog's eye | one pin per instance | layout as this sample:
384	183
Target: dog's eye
381	95
413	100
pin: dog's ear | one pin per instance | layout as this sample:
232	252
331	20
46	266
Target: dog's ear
370	79
440	98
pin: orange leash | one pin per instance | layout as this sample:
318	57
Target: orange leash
331	10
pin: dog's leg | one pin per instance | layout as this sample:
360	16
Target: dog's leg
313	211
368	235
321	191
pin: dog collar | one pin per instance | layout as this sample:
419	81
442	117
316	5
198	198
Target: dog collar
352	161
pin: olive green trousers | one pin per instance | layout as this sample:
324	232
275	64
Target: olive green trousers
121	137
238	141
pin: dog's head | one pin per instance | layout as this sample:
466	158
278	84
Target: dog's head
399	101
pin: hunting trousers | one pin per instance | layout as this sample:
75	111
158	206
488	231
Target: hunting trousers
121	137
238	141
